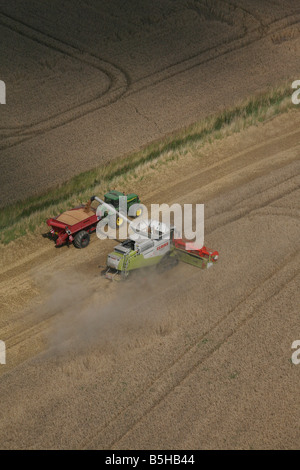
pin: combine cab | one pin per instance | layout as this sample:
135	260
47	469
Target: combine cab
138	251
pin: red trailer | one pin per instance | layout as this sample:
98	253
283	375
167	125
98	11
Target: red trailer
74	225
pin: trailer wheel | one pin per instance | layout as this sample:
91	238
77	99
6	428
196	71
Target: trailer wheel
81	239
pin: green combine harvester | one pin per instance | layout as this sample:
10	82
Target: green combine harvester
141	250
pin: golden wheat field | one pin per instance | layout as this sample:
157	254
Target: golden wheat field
188	359
89	81
191	359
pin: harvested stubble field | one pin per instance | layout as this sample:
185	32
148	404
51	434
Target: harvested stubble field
189	359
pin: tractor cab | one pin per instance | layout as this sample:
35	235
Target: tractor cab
112	197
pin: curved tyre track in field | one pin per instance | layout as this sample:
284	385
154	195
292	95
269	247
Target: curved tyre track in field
120	83
204	57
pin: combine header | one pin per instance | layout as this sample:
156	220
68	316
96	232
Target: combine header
202	258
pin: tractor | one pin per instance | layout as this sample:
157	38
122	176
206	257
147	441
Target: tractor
112	198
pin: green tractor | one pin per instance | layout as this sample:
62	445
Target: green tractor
112	198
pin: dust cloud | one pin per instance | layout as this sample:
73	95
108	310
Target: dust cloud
119	317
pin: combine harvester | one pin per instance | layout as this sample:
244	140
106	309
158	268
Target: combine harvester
163	251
